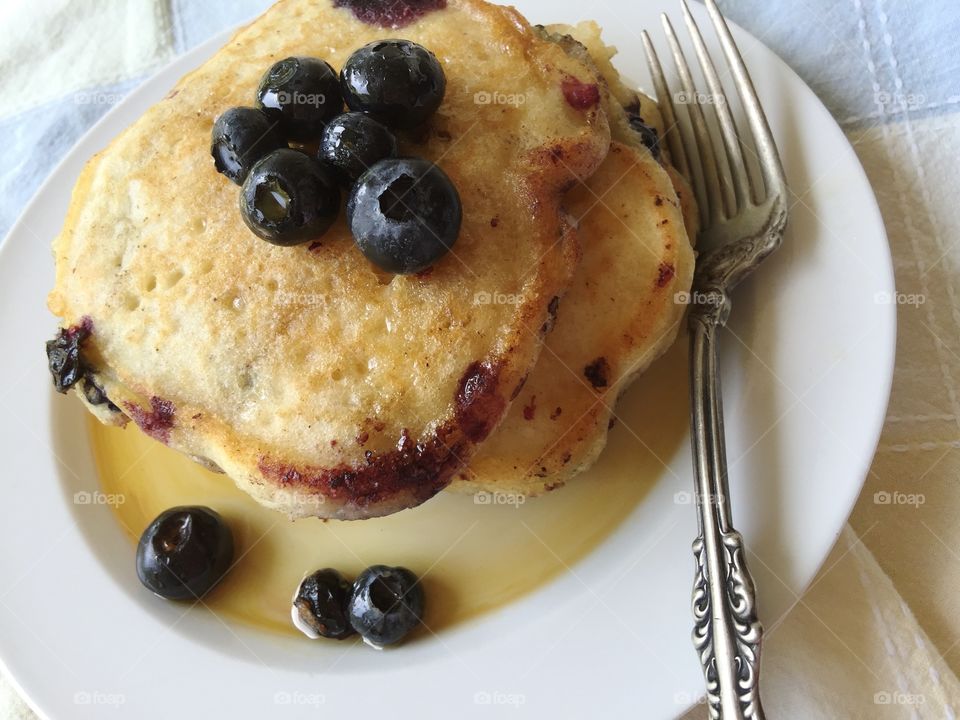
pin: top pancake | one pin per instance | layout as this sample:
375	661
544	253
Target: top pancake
321	386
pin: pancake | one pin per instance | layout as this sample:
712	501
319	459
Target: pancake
621	313
322	387
585	42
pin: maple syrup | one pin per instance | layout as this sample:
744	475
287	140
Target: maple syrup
473	557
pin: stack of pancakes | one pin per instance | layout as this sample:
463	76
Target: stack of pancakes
324	387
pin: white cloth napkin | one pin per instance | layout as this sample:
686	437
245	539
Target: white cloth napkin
877	634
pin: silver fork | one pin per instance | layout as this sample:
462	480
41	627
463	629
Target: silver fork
741	226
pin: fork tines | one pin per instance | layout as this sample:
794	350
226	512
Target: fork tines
720	177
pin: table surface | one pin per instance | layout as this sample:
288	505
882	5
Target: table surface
877	634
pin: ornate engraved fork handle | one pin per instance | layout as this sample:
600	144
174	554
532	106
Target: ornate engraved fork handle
727	634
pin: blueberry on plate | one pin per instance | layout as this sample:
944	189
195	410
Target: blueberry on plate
320	605
399	82
405	214
386	604
352	142
289	198
241	136
302	94
184	553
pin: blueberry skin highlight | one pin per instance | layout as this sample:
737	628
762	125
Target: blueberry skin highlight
301	95
321	605
184	553
387	603
289	198
353	142
242	136
398	82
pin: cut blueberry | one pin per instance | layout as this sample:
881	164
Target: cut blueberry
320	605
405	214
386	604
289	198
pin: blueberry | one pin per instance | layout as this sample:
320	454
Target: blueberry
95	394
353	142
648	134
320	605
386	604
302	94
399	82
241	136
405	214
63	357
289	198
184	553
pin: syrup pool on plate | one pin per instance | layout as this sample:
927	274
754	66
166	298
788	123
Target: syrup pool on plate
473	556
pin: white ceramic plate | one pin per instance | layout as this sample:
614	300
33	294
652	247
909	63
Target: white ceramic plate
806	372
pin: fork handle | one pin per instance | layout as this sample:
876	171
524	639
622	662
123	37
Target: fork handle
727	634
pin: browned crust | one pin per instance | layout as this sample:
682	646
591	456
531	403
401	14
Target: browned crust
415	471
